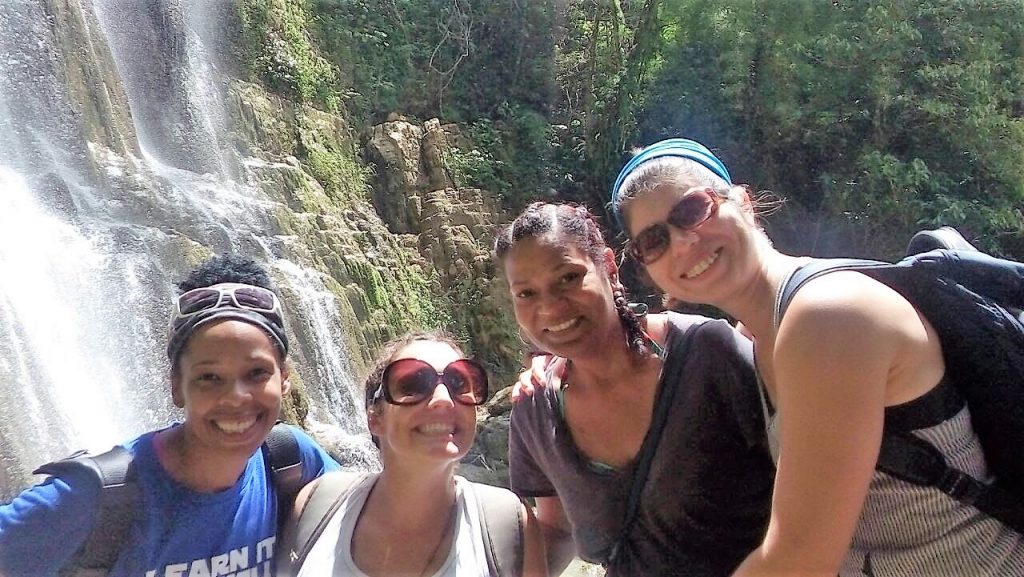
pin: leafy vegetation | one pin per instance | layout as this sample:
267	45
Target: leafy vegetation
277	45
888	115
873	118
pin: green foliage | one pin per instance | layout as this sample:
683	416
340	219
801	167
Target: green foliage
475	166
457	60
896	115
512	156
279	51
487	64
889	115
605	58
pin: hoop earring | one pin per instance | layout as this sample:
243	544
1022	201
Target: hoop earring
525	339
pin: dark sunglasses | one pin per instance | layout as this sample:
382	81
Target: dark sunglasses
693	209
412	381
240	296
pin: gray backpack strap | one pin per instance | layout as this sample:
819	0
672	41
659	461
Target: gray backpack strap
326	496
501	512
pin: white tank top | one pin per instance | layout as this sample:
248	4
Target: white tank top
331	554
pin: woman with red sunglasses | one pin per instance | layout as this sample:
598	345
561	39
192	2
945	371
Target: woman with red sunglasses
415	517
576	444
207	502
849	357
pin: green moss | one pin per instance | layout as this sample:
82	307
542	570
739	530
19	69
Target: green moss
295	406
279	51
341	175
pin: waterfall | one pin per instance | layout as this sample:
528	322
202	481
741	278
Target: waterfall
317	315
97	223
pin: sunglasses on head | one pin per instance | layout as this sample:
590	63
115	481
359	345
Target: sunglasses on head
412	381
692	210
242	296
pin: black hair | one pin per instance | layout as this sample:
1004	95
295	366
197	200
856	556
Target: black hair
572	223
231	268
228	268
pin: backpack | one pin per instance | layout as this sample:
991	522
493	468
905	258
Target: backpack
120	496
501	512
973	302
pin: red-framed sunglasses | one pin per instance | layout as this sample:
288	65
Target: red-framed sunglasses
692	210
412	381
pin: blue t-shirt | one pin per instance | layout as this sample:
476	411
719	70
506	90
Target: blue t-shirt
180	533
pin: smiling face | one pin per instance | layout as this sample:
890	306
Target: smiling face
230	380
437	429
700	265
562	298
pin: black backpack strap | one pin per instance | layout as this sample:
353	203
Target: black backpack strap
501	513
904	455
117	508
120	498
284	461
917	461
281	450
326	496
662	405
812	270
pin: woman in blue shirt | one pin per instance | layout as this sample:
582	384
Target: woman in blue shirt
208	504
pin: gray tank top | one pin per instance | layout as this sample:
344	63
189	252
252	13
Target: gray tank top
907	529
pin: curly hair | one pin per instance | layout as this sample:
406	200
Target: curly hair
228	268
574	224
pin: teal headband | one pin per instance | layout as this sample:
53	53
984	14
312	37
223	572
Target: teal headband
681	147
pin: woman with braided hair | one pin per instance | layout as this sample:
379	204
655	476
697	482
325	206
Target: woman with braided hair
576	443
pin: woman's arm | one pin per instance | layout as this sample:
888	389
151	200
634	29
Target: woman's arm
833	360
557	534
43	527
534	555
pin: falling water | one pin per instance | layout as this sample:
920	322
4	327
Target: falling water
318	316
93	235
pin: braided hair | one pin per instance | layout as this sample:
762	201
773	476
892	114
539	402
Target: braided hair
574	224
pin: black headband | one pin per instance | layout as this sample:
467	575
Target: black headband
184	328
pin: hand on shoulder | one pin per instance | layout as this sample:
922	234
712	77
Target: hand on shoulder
535	376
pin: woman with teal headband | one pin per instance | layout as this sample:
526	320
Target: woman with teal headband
849	356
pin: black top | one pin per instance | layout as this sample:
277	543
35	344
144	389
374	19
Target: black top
706	502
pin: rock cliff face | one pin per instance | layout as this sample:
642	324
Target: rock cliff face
135	153
452	228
